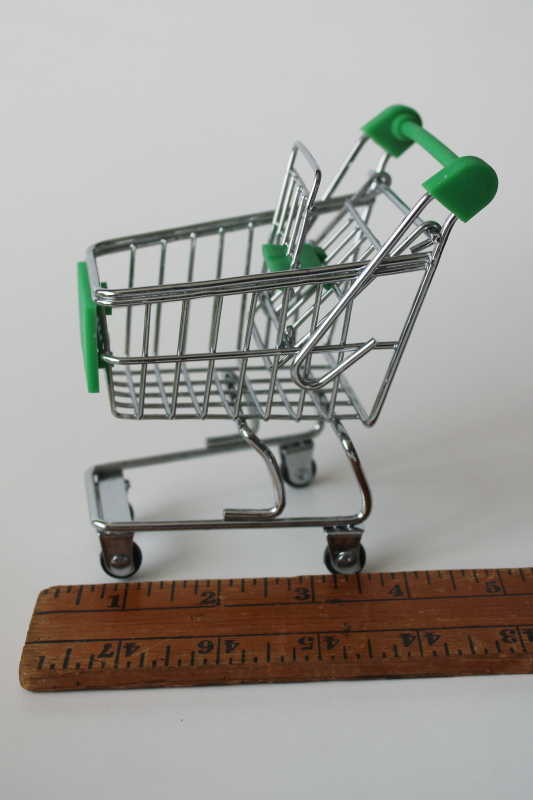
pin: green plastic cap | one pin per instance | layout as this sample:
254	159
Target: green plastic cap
464	187
88	328
385	128
277	259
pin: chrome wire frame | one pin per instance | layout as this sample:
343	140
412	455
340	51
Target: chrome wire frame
290	355
232	518
256	379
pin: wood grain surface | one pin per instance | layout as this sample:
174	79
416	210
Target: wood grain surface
321	627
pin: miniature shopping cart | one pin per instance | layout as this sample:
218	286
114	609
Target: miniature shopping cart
261	317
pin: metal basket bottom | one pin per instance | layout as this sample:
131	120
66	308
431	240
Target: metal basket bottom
213	393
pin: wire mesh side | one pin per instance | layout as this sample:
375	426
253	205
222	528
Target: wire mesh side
229	356
293	211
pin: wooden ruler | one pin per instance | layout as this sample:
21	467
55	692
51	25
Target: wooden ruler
322	627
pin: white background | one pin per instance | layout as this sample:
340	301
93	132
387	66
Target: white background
122	117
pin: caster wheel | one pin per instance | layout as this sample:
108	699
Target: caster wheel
137	561
331	568
285	476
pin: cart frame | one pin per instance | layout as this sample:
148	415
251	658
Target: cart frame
295	215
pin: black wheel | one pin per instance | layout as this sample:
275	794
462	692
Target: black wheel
331	568
285	476
137	561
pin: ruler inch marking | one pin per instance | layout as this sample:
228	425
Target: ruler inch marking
319	647
259	603
524	648
498	573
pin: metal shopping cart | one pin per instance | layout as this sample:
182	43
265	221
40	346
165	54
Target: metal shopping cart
280	291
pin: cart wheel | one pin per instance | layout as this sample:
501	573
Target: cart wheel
306	482
137	561
331	568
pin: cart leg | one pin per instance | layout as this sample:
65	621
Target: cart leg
120	556
297	465
275	474
107	492
344	554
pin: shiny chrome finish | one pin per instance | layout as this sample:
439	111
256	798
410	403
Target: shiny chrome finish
344	545
277	345
97	476
361	282
275	475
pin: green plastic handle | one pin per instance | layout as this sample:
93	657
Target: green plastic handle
88	329
464	186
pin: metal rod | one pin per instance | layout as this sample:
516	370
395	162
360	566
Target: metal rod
111	528
191	391
294	221
345	166
181	348
249	283
215	327
144	366
130	286
362	280
275	475
220	253
247	264
131	388
246	347
363	226
229	354
409	324
281	232
340	357
161	280
192	253
162	391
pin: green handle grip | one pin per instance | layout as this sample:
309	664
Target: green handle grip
88	328
464	186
